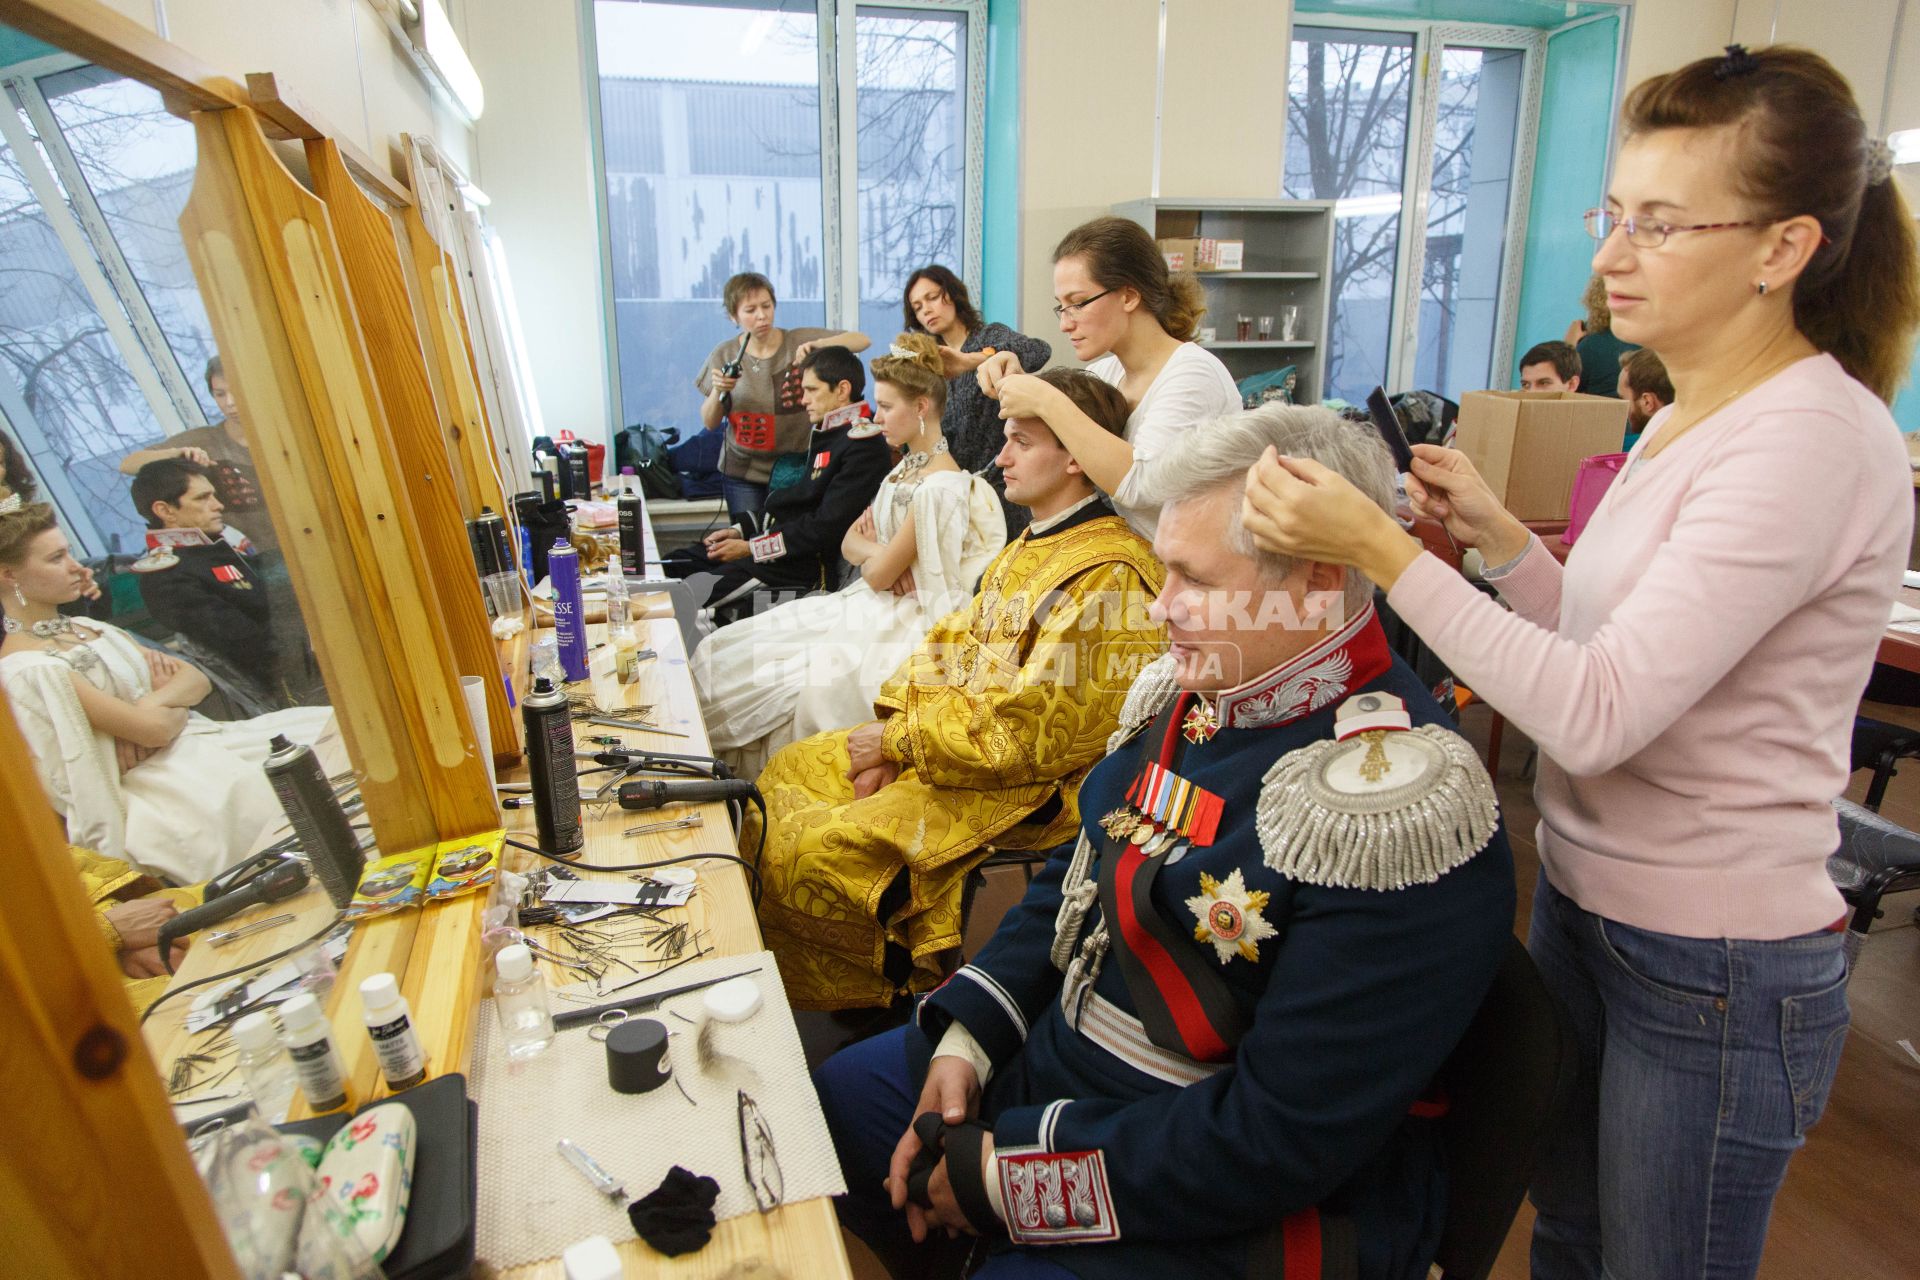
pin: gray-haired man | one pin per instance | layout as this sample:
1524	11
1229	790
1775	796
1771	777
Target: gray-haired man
1203	1044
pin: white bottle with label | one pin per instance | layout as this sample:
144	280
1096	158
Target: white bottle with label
390	1024
520	998
316	1060
265	1066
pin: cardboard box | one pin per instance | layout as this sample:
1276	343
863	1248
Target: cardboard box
1528	444
1198	253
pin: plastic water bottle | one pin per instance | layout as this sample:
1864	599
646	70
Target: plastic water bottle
265	1066
520	998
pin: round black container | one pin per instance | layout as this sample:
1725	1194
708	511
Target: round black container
637	1060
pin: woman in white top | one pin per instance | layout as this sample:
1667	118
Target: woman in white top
131	769
1134	321
815	664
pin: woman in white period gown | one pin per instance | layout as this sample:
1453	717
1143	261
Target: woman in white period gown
816	663
131	769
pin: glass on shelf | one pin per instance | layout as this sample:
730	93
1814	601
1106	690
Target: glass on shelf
1243	328
1266	329
1289	323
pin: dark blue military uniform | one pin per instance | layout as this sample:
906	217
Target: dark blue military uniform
1241	1089
796	541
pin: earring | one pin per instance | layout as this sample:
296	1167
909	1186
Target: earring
1761	288
19	596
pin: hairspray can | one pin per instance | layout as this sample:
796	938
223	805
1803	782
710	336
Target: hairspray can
569	621
551	770
319	823
632	509
576	472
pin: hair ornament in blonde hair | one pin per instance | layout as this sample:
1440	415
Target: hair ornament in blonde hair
899	352
1879	162
10	504
1738	62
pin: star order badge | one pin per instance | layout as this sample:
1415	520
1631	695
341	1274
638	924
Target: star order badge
1202	722
1229	916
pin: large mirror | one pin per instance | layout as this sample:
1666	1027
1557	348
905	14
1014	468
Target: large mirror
154	643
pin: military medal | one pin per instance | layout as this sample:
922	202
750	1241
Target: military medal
1117	822
1202	722
1229	917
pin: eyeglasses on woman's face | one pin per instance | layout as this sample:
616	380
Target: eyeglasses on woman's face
1072	310
1650	233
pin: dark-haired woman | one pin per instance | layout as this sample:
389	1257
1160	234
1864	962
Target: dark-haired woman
937	303
1690	675
1134	322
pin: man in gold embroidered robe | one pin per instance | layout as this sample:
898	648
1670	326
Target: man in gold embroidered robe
983	737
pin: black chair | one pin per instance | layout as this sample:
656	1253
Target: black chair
1508	1081
1880	746
1876	857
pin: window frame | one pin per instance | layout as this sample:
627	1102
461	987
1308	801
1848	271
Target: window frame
837	27
104	273
1429	39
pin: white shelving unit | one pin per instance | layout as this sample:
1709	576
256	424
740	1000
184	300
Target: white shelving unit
1289	260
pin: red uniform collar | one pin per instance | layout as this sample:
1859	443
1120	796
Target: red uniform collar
1302	685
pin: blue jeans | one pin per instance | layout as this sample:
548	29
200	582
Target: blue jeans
1703	1062
743	495
868	1091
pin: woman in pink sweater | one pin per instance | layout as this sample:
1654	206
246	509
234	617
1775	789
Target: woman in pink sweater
1690	677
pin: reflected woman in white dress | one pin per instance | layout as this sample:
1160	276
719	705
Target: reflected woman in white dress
130	767
816	663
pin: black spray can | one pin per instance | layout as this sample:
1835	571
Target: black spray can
632	511
319	823
551	769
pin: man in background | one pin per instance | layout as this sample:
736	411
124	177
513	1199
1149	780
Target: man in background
1645	387
224	450
210	594
793	546
1550	366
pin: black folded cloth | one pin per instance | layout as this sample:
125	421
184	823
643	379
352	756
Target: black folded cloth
677	1216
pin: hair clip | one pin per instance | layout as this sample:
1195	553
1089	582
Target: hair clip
9	504
1879	162
899	352
1737	62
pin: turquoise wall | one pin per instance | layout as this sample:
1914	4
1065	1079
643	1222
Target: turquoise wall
1569	177
1906	405
15	47
1000	235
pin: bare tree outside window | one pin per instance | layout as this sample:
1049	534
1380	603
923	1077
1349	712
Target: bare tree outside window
85	407
1349	104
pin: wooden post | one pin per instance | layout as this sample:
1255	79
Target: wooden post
450	364
264	252
95	1179
370	253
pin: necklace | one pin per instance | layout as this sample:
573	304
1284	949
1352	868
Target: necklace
51	628
914	463
1660	446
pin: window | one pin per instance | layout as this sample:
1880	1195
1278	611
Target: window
1349	105
1429	127
103	338
721	149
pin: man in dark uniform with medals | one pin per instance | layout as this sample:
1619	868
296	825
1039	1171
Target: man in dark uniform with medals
1204	1043
208	593
794	545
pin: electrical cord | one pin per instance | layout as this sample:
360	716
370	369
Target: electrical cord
282	954
752	868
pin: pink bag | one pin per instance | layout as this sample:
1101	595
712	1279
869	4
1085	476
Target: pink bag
1590	484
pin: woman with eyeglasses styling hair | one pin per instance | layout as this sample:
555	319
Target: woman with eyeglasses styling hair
1690	676
1134	322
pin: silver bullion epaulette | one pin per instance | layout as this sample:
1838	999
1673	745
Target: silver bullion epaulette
1146	697
1381	805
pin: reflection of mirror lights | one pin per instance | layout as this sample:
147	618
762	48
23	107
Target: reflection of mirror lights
436	41
1906	146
